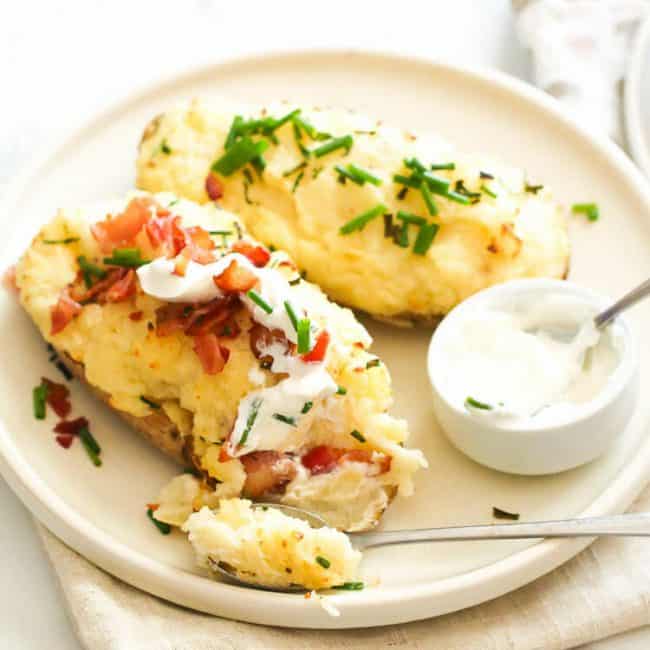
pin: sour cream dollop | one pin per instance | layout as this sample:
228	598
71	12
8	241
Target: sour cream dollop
514	362
274	417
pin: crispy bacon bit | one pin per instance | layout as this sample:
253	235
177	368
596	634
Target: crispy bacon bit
258	255
121	229
319	350
123	288
63	312
153	506
57	398
9	279
224	456
71	427
65	440
261	338
136	316
321	459
182	261
212	355
200	238
213	187
266	471
235	278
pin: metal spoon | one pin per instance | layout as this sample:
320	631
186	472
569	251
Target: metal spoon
631	298
636	524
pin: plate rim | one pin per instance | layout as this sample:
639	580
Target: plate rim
176	585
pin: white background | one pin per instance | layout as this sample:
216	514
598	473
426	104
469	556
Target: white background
62	60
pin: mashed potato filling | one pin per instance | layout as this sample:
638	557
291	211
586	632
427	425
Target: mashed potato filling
267	547
125	356
376	242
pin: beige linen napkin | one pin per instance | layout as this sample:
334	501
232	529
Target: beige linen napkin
603	591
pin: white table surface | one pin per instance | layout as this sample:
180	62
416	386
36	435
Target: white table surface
61	60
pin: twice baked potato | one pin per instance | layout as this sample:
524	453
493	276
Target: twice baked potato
399	225
184	326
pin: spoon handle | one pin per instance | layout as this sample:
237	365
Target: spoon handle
629	299
637	524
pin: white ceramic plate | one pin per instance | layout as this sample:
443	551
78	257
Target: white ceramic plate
636	101
100	512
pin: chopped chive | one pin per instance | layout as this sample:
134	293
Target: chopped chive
293	170
457	198
408	181
39	396
295	281
247	175
341	390
91	446
165	148
350	586
233	133
488	191
428	199
357	435
292	314
359	222
436	184
589	209
250	421
247	198
415	165
297	182
425	238
259	301
67	240
498	513
309	129
470	402
277	123
401	235
287	419
63	369
344	142
316	172
401	195
486	175
239	154
373	363
388	225
193	471
88	271
303	330
364	174
220	232
436	167
306	407
259	162
408	217
533	189
128	257
150	403
164	528
461	189
323	561
347	173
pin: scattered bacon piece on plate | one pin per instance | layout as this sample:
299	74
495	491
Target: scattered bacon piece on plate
71	427
57	398
65	440
258	255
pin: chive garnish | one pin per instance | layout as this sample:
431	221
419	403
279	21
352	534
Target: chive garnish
63	369
359	222
408	217
436	167
350	586
220	232
436	184
164	528
498	513
415	165
240	153
39	395
309	129
388	225
88	271
457	198
428	199
165	148
129	257
460	188
373	363
401	195
306	407
533	189
470	402
323	561
275	124
589	209
259	301
425	238
341	390
67	240
91	446
149	403
316	172
295	281
292	314
297	182
357	434
293	170
488	191
409	181
401	235
344	142
250	421
234	131
357	174
303	330
486	175
287	419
